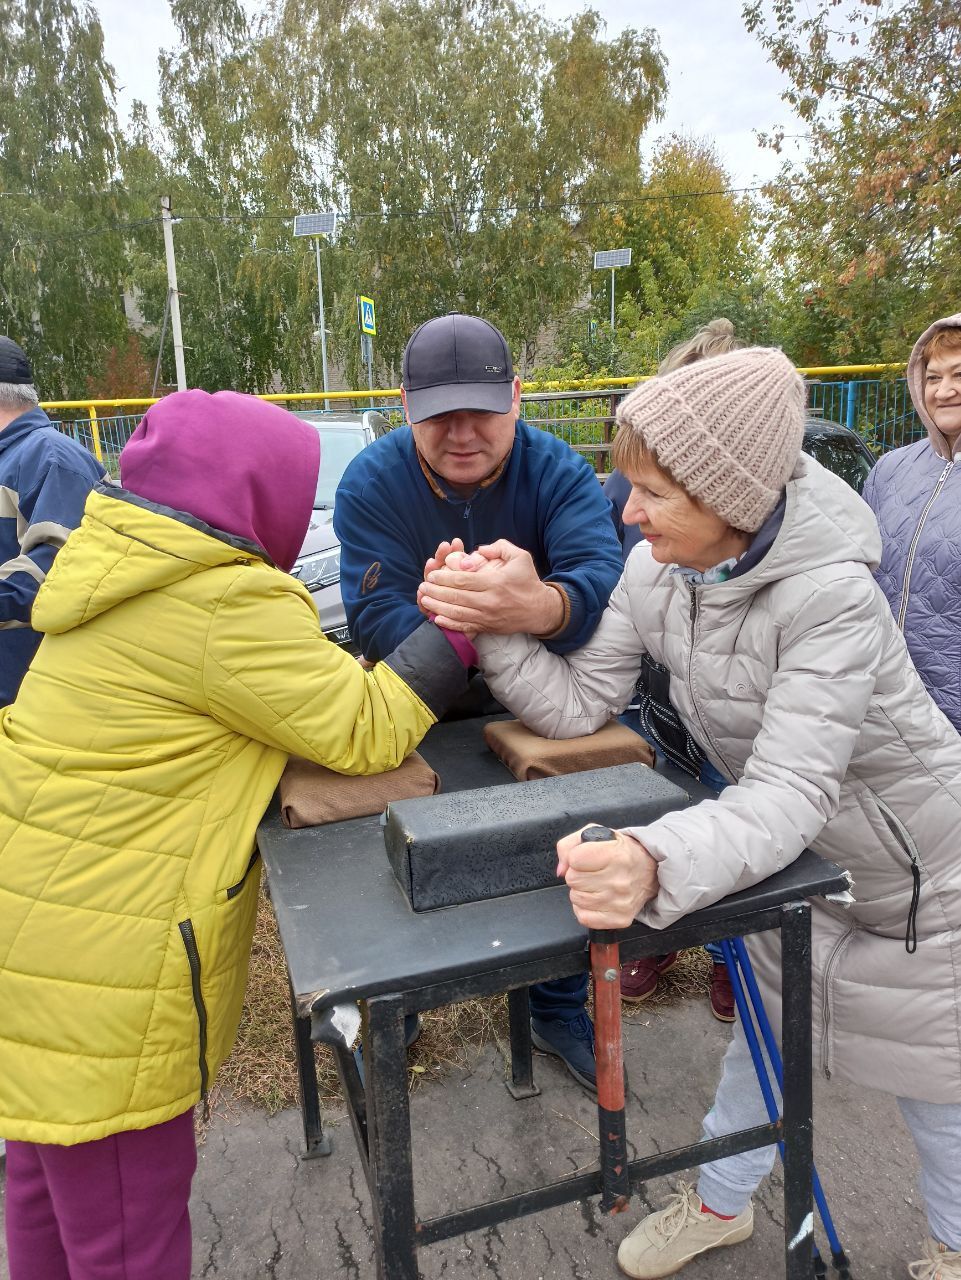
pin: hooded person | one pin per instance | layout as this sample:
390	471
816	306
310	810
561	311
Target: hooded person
180	665
754	589
915	493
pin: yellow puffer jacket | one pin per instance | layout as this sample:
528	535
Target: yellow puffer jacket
178	671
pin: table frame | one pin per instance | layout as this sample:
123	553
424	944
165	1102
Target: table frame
380	1113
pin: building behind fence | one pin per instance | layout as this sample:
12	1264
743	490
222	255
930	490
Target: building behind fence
879	409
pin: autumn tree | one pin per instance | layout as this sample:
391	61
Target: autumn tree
867	230
695	254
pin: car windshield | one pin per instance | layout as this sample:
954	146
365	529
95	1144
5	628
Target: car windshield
337	447
839	454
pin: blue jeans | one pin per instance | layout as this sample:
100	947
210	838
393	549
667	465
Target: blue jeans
563	999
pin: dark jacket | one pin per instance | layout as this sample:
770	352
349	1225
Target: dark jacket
391	514
44	481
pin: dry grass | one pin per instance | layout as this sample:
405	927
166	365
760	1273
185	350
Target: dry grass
262	1067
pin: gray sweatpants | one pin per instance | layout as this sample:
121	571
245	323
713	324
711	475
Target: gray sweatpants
727	1185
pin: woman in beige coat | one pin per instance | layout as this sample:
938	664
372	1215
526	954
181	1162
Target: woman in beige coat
754	588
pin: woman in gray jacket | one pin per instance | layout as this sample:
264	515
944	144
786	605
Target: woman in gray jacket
754	588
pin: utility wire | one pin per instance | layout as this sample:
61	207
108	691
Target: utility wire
462	211
108	230
487	210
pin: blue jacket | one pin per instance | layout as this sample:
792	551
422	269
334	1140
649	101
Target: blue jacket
390	515
44	481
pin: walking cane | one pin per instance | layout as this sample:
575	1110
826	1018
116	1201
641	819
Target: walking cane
609	1052
735	953
838	1257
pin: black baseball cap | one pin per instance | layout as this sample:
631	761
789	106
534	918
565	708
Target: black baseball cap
14	365
457	362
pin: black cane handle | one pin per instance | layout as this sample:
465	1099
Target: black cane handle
590	835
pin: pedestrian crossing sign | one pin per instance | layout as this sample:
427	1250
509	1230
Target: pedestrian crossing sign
368	322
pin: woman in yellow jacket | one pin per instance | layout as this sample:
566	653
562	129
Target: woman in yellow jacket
181	664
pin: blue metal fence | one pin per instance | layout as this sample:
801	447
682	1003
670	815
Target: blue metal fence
879	409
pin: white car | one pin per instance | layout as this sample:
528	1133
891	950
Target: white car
342	436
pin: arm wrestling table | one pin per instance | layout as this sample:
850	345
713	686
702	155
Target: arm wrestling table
350	935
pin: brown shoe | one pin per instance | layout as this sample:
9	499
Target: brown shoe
639	977
722	996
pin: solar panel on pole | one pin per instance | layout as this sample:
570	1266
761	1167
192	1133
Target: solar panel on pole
607	258
315	224
611	258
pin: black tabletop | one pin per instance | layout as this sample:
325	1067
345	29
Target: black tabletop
349	932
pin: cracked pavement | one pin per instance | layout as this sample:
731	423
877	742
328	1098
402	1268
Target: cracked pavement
260	1213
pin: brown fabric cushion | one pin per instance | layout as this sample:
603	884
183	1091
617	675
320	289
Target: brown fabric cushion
311	795
530	756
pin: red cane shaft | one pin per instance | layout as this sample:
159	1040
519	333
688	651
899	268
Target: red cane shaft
608	1044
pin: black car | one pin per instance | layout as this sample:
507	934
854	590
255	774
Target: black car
839	449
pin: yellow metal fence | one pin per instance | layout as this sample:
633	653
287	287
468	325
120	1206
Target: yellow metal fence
104	426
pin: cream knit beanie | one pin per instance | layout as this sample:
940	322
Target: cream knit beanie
728	429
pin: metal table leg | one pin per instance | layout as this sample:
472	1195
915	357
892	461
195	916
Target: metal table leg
521	1083
390	1172
316	1142
797	1094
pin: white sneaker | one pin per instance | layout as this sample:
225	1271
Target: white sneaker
938	1263
666	1240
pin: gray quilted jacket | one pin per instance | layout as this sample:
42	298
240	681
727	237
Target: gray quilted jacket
795	679
915	493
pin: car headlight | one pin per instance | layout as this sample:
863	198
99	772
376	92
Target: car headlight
319	570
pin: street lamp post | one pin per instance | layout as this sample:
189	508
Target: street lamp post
612	258
317	225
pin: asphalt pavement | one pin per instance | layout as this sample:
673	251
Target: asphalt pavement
260	1213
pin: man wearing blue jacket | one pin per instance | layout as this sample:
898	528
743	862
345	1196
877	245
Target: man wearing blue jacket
467	467
44	481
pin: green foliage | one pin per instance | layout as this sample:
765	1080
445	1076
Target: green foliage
61	268
460	191
695	255
868	230
454	192
477	153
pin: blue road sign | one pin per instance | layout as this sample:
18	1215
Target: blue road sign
368	321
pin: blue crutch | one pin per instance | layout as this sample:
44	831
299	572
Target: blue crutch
735	954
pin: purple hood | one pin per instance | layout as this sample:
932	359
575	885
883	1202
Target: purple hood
233	461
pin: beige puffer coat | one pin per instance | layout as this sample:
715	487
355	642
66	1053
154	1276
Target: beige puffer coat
796	682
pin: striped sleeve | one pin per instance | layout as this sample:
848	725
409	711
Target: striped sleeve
39	518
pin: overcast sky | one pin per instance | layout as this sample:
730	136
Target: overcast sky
720	83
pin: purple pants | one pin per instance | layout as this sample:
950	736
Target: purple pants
115	1209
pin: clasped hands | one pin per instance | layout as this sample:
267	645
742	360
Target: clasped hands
495	589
